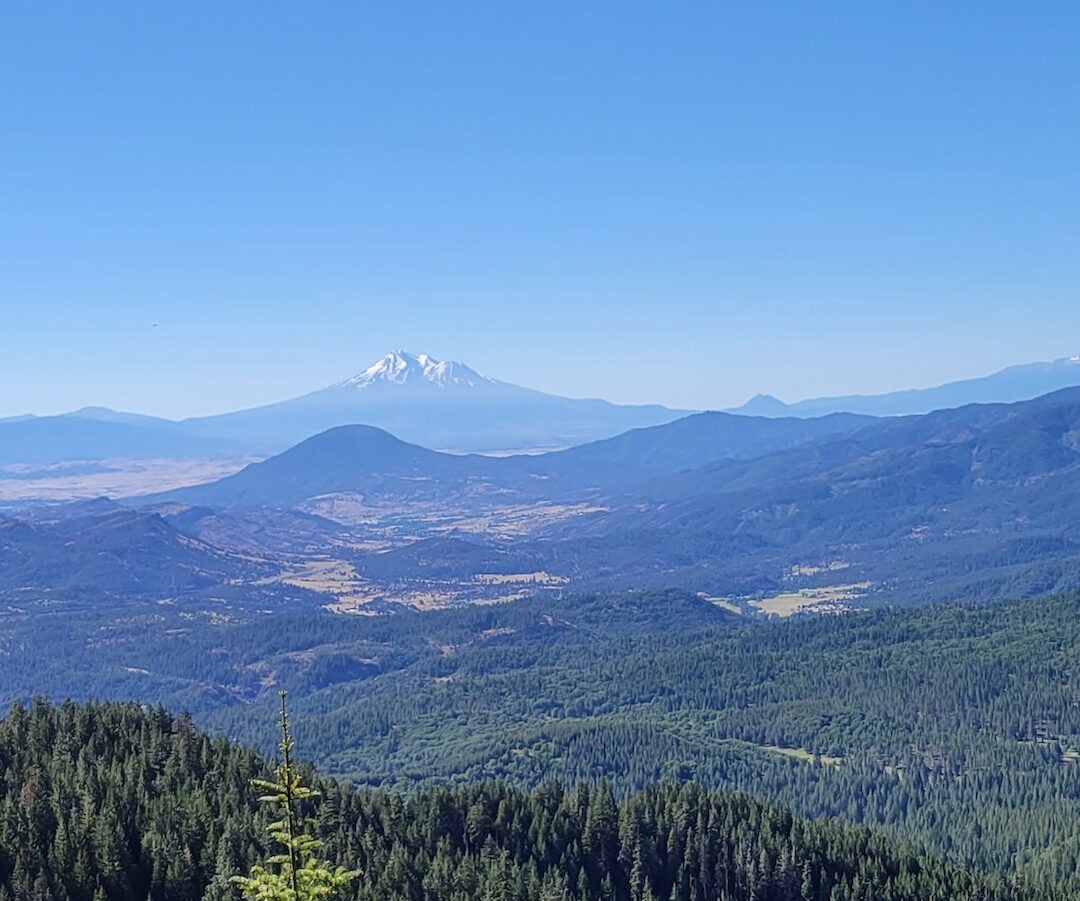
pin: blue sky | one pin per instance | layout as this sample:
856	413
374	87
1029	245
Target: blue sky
205	206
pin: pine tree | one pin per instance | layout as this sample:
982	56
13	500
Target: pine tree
299	876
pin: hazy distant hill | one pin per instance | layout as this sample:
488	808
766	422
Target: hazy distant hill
704	438
355	458
1016	383
95	549
86	436
373	463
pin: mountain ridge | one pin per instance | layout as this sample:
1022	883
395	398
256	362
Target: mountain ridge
1022	381
372	462
448	405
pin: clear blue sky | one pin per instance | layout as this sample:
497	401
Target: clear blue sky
211	205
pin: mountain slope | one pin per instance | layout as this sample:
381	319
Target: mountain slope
703	438
970	446
978	502
106	553
450	406
1015	383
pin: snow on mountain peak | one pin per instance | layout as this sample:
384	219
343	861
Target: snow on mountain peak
401	368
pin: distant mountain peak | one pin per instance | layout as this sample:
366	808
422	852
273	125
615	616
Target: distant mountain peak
402	368
763	405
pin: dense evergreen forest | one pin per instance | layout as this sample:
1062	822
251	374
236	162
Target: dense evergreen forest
956	728
116	801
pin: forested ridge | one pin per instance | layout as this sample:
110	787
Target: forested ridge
118	801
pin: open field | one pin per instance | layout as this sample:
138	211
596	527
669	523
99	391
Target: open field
349	592
414	520
30	483
720	602
801	570
804	755
830	599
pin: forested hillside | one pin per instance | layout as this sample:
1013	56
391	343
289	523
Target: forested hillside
955	727
121	802
958	727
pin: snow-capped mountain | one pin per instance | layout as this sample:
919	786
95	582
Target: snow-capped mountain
401	368
438	404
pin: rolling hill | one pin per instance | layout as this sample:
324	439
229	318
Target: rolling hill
357	458
100	554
